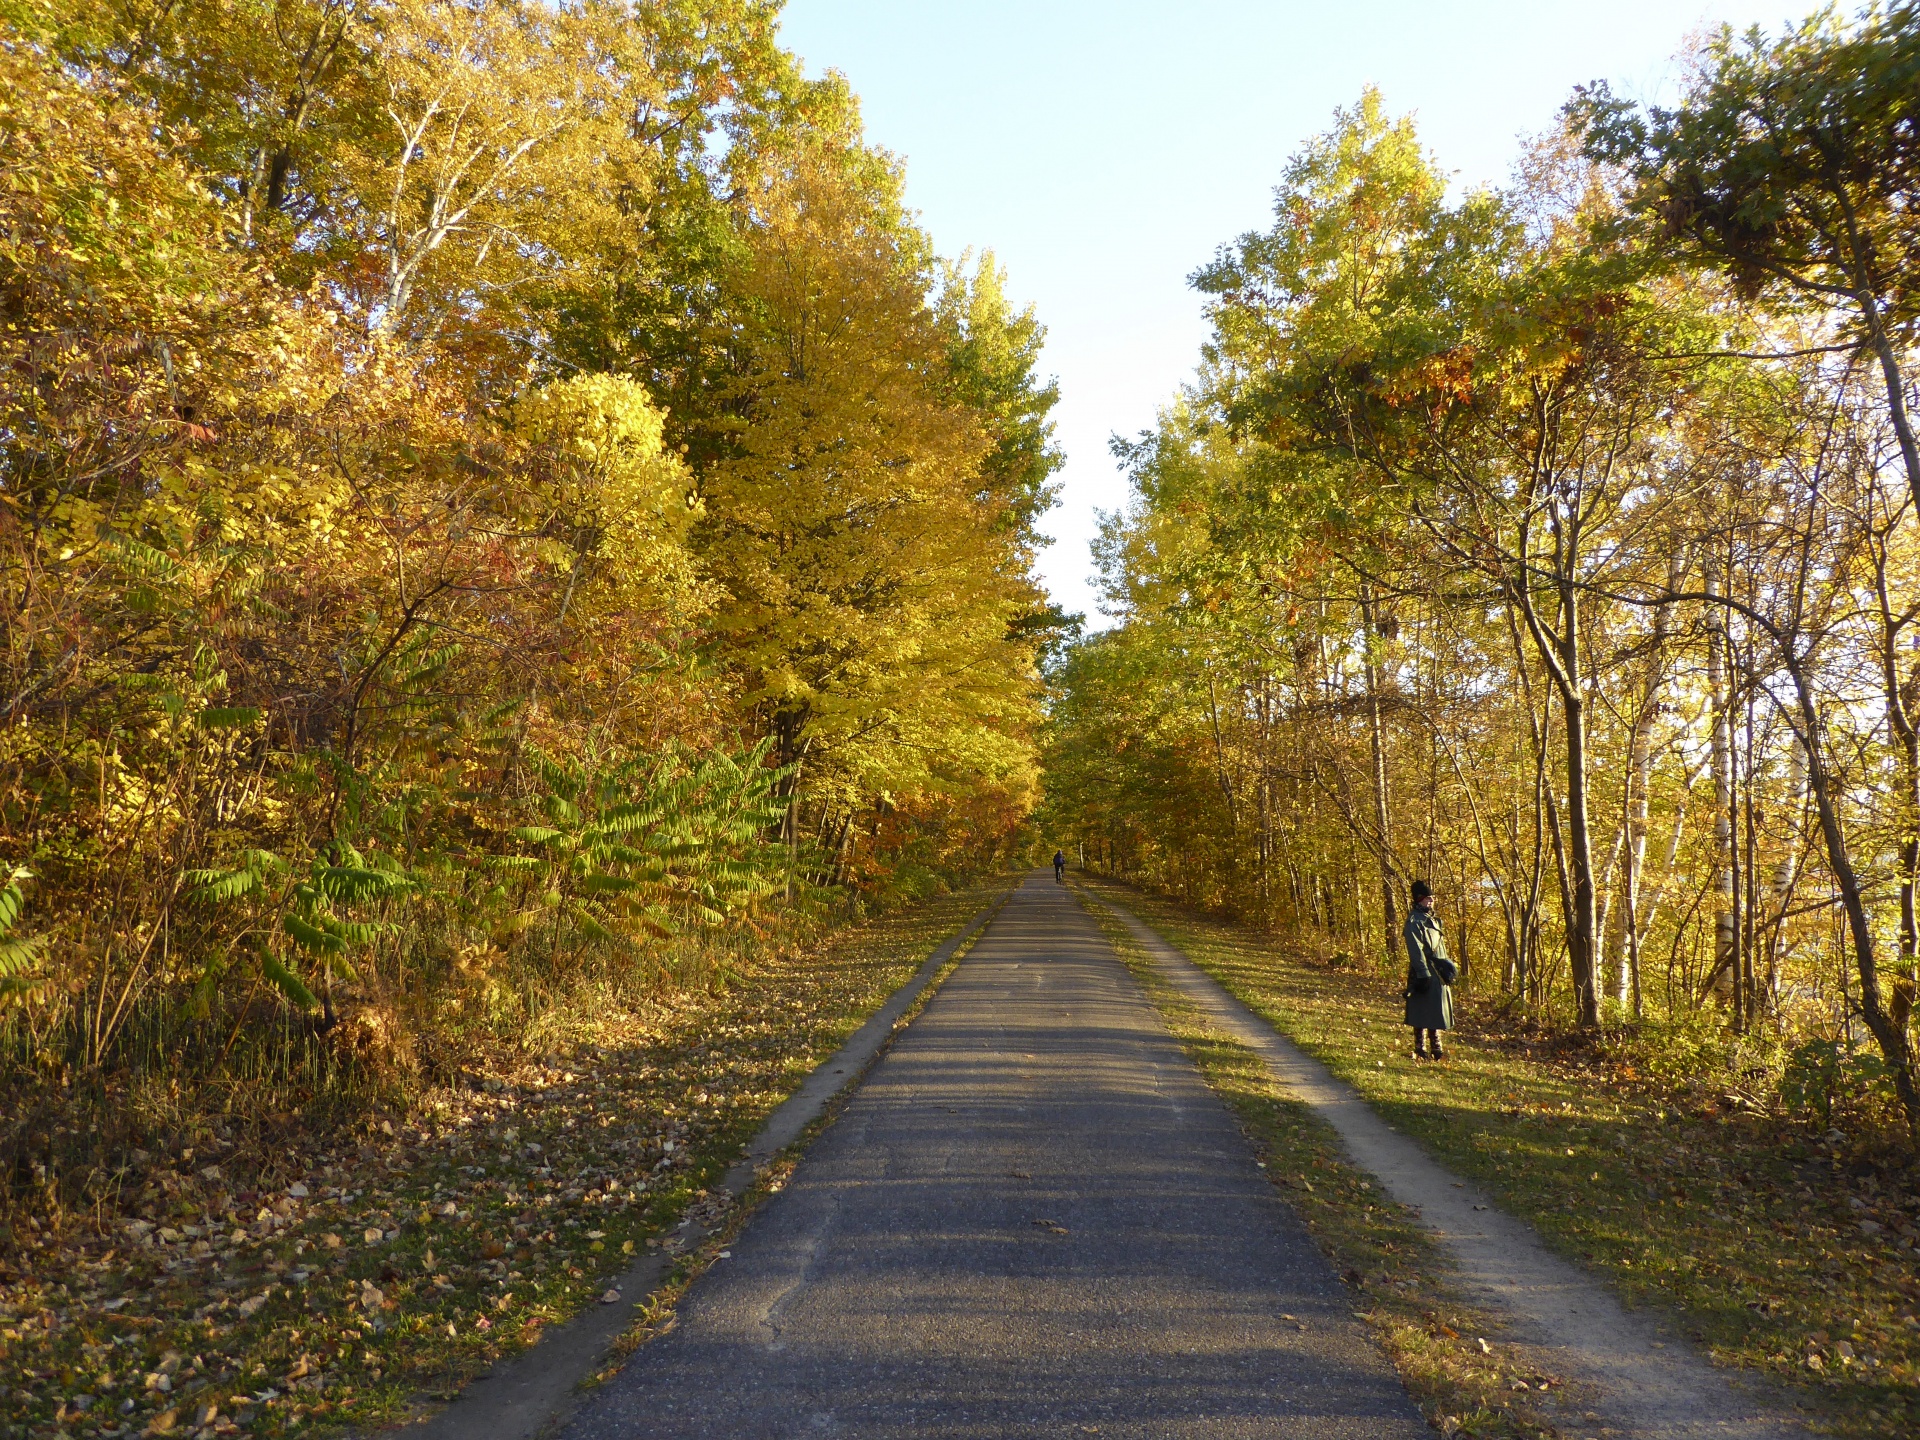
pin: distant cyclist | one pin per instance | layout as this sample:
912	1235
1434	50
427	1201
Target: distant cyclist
1059	865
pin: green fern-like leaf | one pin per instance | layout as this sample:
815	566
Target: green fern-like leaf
517	862
18	989
287	983
501	712
143	559
339	967
13	900
199	1004
19	956
352	932
310	936
590	926
218	886
231	717
356	882
599	884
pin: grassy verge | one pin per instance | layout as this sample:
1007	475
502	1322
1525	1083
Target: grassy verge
401	1259
1467	1378
1781	1253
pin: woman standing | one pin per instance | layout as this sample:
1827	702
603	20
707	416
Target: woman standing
1430	975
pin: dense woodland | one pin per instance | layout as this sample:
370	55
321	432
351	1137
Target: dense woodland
1557	543
511	536
495	497
501	499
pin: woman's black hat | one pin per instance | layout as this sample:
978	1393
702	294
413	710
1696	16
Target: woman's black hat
1422	890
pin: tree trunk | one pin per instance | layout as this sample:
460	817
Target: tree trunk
1786	874
1623	938
1883	349
1220	754
1901	694
1572	849
1721	982
1612	903
1891	1035
1389	908
1580	924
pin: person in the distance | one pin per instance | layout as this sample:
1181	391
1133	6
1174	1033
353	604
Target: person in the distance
1430	975
1059	864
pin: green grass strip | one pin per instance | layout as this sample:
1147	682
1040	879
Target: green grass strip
1773	1257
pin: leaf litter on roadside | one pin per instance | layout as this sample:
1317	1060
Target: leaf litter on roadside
344	1279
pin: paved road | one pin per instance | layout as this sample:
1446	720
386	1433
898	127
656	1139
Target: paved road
1033	1219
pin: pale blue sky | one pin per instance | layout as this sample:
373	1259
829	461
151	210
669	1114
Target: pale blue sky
1104	148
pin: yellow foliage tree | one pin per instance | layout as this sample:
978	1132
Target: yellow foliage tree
869	588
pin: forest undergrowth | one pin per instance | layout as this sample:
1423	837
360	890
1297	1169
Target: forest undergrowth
339	1270
1782	1249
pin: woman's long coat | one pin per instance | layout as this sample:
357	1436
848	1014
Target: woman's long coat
1427	960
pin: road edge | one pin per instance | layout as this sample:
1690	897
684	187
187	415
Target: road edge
1378	1149
528	1393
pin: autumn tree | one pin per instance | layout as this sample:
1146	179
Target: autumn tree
1793	165
1510	541
456	444
868	585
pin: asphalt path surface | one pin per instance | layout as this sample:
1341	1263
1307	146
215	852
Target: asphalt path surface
1032	1219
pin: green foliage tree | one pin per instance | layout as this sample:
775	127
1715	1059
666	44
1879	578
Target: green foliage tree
1495	539
1794	165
